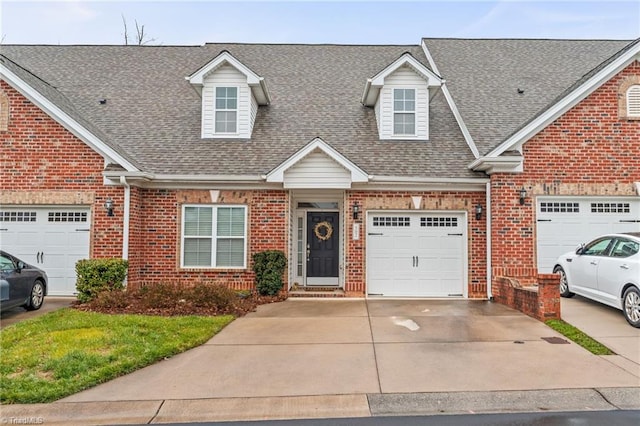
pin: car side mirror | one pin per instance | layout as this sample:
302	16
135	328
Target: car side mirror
21	266
580	249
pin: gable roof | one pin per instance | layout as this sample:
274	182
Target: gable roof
485	78
356	173
154	114
257	83
375	83
567	99
57	106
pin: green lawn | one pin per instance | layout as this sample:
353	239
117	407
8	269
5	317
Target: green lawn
63	352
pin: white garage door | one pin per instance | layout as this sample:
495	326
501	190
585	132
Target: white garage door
52	239
565	223
413	254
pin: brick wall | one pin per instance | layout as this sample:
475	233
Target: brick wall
400	200
590	150
156	244
541	301
42	163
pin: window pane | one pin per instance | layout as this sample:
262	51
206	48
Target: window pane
225	121
198	221
404	124
226	97
197	252
230	222
230	252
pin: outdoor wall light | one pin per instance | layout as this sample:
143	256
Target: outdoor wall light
356	210
108	206
523	195
478	211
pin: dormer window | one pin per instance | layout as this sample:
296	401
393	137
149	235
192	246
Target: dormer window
400	96
231	94
226	112
404	112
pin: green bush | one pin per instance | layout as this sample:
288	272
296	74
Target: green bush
269	267
98	275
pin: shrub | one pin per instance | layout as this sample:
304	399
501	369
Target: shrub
269	267
217	296
98	275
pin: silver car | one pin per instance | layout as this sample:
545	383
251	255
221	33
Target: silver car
606	270
21	284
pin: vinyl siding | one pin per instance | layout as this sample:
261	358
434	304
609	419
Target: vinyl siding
317	171
229	77
404	78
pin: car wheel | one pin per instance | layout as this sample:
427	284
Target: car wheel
631	306
36	299
564	284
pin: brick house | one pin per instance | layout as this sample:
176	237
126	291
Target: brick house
405	171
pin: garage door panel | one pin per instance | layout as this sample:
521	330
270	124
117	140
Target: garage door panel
565	223
419	257
52	239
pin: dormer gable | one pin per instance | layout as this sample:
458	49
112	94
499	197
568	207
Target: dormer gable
400	95
231	94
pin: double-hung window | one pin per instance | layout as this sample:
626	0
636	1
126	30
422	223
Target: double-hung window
226	109
214	236
404	112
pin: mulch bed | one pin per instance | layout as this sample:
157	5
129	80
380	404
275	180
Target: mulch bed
136	302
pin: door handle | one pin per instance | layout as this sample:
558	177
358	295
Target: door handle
417	261
38	257
413	259
624	266
593	262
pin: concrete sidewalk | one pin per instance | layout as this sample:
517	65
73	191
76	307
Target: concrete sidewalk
353	358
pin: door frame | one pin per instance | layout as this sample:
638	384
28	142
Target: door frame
298	269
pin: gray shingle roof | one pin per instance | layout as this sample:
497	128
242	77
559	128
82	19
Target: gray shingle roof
484	76
152	114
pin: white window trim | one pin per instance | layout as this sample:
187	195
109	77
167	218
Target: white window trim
214	236
636	88
395	135
215	108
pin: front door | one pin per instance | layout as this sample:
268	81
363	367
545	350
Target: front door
322	248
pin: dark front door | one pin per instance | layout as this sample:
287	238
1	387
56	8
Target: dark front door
322	247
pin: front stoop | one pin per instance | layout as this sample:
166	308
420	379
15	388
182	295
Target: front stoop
316	291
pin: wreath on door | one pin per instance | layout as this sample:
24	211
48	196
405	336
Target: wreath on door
323	230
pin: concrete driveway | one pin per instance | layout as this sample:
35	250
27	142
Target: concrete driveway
304	347
608	326
51	303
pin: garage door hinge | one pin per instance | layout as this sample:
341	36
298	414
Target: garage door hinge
455	235
631	221
375	233
83	230
544	220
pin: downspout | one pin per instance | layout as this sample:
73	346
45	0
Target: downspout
127	212
488	196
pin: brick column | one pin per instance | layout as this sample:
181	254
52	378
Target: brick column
548	296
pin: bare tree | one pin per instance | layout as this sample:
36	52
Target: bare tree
140	37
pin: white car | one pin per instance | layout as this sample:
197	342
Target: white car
606	270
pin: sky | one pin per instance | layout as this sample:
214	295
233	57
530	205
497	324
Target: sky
333	22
